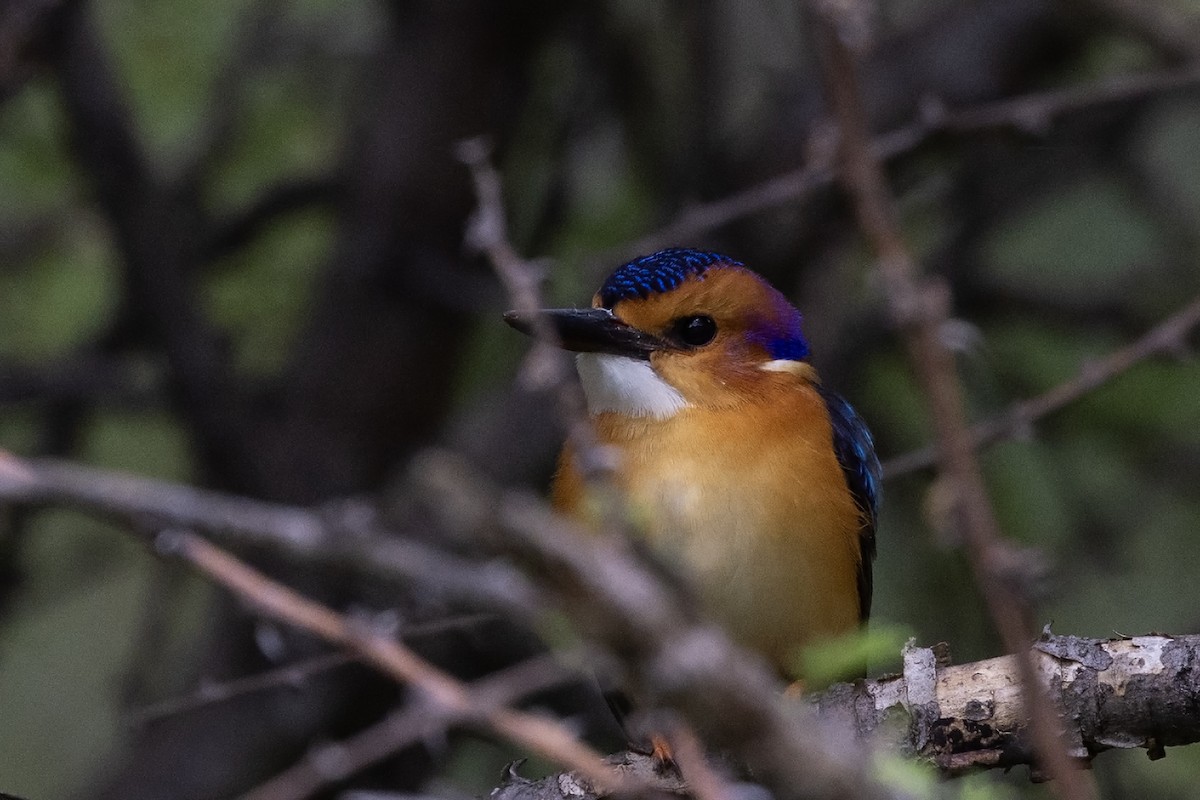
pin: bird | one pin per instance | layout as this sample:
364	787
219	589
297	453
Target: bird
757	483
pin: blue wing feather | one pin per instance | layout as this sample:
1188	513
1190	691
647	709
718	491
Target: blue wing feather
855	449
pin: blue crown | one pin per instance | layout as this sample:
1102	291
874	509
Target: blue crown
658	272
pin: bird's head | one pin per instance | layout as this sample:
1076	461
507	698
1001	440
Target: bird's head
679	328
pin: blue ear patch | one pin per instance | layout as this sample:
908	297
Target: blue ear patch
658	272
791	347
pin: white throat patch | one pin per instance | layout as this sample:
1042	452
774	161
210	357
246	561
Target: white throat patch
627	386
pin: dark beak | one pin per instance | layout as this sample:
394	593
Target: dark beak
590	330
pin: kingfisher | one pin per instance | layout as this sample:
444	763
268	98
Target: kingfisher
750	477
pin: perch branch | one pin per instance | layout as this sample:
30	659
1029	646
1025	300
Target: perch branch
1117	693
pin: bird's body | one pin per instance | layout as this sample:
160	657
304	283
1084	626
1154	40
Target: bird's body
757	483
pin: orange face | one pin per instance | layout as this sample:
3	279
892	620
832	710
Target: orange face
724	329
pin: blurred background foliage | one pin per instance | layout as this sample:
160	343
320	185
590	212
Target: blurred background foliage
231	254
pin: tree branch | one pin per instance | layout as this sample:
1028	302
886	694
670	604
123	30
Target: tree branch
157	233
401	728
921	307
349	536
1030	113
441	696
1120	693
238	229
1169	336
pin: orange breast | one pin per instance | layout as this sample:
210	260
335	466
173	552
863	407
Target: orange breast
751	505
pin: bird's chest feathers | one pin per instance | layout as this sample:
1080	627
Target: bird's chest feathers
755	511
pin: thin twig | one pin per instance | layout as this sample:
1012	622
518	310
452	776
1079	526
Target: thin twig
544	366
292	675
1168	336
336	761
1030	113
289	675
441	694
488	233
330	763
921	307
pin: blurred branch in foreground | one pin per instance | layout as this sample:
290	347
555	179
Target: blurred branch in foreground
442	700
616	601
1115	693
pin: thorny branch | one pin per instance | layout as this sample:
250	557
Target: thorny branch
921	307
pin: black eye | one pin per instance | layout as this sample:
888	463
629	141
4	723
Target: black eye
696	330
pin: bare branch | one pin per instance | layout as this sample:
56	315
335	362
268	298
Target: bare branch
488	234
730	696
1123	693
608	591
209	693
159	240
1030	113
1115	693
731	699
544	366
238	228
